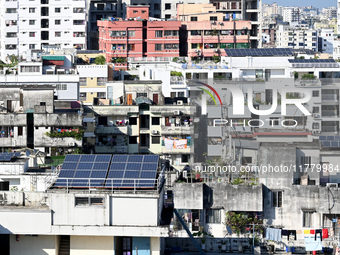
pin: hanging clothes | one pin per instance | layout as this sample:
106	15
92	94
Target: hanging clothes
284	232
292	233
313	245
325	233
306	231
168	144
318	231
299	232
312	231
273	234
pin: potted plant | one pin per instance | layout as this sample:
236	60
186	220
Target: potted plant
203	238
203	243
224	245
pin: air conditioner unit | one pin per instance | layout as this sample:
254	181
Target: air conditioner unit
179	102
332	185
177	112
154	132
220	23
71	144
216	50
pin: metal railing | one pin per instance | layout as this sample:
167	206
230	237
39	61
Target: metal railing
329	97
329	113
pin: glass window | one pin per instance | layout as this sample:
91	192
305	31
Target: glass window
121	33
316	109
31	10
155	120
158	47
133	121
61	87
155	139
315	93
307	219
213	216
97	201
131	33
132	139
277	198
31	22
171	46
57	10
82	201
159	33
167	6
57	22
32	34
193	18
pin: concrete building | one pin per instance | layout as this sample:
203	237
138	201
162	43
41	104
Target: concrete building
124	39
31	118
31	24
326	41
99	221
338	13
296	38
291	14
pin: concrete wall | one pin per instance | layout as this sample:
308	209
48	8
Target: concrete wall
28	245
87	245
188	196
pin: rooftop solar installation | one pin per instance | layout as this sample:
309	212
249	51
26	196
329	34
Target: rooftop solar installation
329	141
8	156
259	52
311	60
117	171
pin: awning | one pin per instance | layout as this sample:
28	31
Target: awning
54	58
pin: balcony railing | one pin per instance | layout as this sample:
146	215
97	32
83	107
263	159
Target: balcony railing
329	113
111	130
186	129
330	97
329	129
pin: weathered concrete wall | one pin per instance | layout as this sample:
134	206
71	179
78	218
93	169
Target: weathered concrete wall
32	98
58	120
188	196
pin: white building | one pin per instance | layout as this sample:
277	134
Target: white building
291	14
296	38
32	24
329	12
326	41
338	14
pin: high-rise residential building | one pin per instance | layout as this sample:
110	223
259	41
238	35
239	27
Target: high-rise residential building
326	41
291	14
31	24
338	15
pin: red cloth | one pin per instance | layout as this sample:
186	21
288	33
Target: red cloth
324	233
312	231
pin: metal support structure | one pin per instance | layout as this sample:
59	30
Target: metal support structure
188	232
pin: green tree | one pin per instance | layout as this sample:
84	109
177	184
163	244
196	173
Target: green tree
100	60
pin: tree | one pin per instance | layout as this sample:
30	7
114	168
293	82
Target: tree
238	221
100	60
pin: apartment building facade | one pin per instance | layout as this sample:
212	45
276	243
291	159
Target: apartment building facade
134	38
29	25
289	37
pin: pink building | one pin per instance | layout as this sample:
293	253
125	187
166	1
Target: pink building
135	38
208	38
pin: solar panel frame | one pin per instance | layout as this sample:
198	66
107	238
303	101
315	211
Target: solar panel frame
88	158
99	166
106	158
82	174
72	158
85	166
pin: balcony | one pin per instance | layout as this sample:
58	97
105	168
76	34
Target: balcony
13	142
182	130
55	119
111	149
111	130
329	129
45	141
329	98
329	113
13	119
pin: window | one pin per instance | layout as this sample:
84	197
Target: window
274	121
167	6
119	33
32	34
213	18
101	94
96	201
31	10
171	33
305	162
19	131
29	69
315	93
118	46
57	22
315	125
82	201
307	219
61	86
185	158
193	19
32	46
180	94
171	46
31	22
132	139
155	139
316	109
10	46
57	10
213	216
42	103
156	7
159	33
155	120
131	33
131	47
158	47
247	160
167	16
57	34
133	121
277	198
82	96
142	94
78	22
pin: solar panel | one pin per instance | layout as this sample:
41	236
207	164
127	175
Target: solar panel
72	158
103	158
71	166
115	174
119	158
79	183
98	174
2	157
151	158
8	157
100	166
326	144
82	174
150	167
132	174
66	174
148	175
17	154
330	138
334	144
118	166
133	166
322	138
85	166
136	158
87	158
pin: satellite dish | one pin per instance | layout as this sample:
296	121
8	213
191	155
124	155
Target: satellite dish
229	230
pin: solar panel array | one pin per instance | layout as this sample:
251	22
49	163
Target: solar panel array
132	171
311	60
330	141
125	171
259	52
81	168
8	156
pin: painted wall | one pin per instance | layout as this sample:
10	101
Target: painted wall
29	245
89	245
